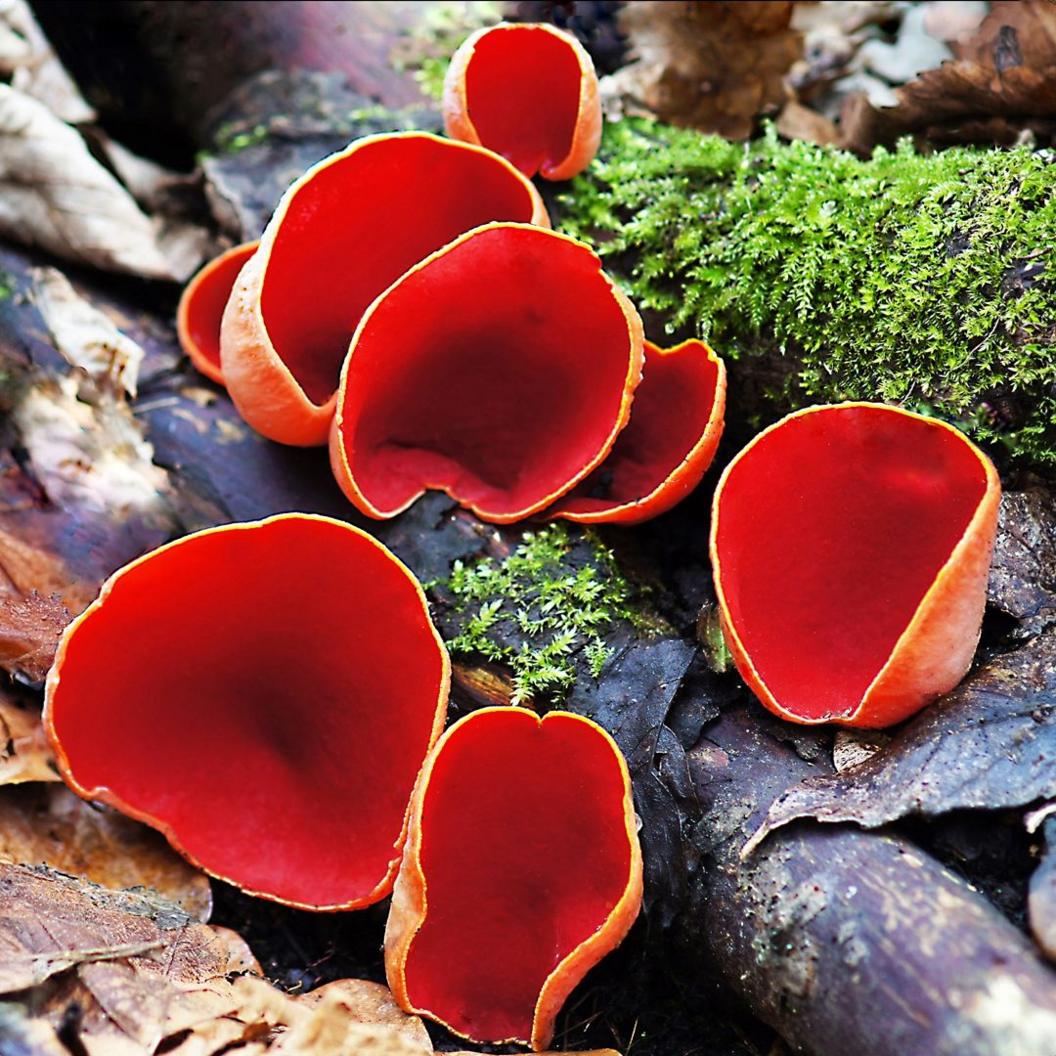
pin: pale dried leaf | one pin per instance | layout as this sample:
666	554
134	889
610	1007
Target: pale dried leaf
57	196
85	336
90	457
365	1002
343	1017
27	57
51	826
913	51
24	751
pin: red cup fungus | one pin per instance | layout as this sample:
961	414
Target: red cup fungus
850	546
264	694
521	871
202	306
343	232
669	443
529	92
500	370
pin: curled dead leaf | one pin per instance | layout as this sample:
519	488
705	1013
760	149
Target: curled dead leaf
57	196
90	456
85	336
133	964
987	745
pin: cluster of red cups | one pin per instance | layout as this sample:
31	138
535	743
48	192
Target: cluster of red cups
272	696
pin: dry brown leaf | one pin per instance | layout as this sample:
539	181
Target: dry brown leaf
370	1004
24	751
85	336
1004	82
51	826
1034	23
57	196
30	628
25	568
27	57
136	966
136	972
801	122
344	1017
714	66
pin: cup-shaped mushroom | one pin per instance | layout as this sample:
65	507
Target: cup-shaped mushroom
522	870
667	446
264	694
850	546
499	370
529	92
342	233
201	309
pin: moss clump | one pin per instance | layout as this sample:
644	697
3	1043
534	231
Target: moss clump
553	599
928	280
231	139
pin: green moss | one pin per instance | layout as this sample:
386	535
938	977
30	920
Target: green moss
554	598
231	139
927	280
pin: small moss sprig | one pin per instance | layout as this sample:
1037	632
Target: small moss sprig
927	280
553	598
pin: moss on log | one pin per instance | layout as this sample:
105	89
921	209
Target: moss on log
929	280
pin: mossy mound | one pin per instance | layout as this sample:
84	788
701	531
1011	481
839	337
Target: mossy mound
923	279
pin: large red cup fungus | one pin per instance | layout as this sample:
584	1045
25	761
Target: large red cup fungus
660	457
500	370
850	546
522	870
264	694
529	92
202	306
342	233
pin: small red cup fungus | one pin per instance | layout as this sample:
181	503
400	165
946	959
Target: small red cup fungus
850	546
522	870
669	443
500	370
529	92
202	306
264	694
342	233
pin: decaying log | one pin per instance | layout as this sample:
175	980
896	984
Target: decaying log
847	941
